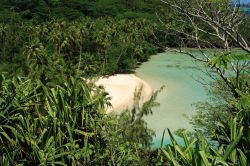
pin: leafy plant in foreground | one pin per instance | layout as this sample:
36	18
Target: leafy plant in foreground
200	152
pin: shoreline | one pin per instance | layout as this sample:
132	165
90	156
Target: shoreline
121	89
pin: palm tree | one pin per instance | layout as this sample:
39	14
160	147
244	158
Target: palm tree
82	34
37	58
57	34
3	34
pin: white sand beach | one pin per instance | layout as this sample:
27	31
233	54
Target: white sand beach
121	88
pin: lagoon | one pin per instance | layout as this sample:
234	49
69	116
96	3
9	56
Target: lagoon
182	80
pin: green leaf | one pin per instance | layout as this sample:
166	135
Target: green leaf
84	133
244	57
162	138
8	138
170	157
204	158
243	158
220	60
233	144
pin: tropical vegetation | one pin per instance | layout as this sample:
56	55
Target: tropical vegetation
52	114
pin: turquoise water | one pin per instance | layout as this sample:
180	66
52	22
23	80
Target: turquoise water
180	76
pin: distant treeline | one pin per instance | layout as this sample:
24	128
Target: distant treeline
50	114
114	36
94	37
41	10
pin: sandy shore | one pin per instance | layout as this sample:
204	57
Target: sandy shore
121	88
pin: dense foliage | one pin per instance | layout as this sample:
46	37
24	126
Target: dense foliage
99	46
63	125
80	35
41	10
51	114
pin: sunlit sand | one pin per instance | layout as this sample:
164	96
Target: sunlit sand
121	89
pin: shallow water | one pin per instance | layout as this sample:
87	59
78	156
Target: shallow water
180	76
